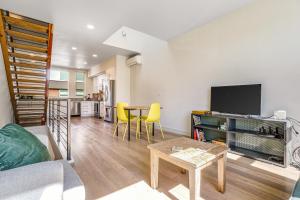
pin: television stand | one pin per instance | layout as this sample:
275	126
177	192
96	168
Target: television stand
258	138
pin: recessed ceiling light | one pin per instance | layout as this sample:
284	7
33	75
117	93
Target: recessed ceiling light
74	48
78	67
85	63
95	55
90	26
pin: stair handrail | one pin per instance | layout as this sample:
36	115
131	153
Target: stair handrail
59	123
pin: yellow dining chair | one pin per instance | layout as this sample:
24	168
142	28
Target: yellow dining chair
153	117
122	115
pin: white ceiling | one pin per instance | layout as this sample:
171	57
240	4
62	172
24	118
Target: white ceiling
160	18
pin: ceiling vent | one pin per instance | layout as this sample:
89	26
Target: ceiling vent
136	60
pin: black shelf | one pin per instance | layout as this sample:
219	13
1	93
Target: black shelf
256	155
209	127
236	124
255	133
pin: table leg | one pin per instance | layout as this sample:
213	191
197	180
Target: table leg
128	125
153	129
140	121
194	183
154	169
221	173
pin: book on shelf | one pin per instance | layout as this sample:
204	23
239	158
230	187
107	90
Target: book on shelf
199	135
195	134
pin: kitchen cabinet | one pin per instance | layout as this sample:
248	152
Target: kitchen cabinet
87	109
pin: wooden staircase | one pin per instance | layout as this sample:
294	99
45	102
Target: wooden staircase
26	47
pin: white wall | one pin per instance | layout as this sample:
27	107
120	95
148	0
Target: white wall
107	67
6	112
258	43
122	80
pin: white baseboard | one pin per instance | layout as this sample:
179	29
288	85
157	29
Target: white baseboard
170	130
176	131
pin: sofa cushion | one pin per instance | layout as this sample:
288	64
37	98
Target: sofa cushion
43	181
73	187
18	147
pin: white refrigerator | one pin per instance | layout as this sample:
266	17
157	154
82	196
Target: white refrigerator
108	99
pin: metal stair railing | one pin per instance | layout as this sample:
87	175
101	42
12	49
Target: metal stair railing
59	123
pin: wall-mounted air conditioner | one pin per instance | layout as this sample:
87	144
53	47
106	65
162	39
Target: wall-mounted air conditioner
136	60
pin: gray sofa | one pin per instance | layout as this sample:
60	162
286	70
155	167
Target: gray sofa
55	180
296	192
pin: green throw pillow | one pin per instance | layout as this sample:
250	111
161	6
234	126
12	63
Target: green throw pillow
18	147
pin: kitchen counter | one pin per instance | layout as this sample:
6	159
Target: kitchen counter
86	108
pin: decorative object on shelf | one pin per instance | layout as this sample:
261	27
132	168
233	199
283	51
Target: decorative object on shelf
197	120
201	136
280	114
223	127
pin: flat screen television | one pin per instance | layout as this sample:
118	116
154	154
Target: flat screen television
237	99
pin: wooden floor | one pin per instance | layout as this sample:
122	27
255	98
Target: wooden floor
106	165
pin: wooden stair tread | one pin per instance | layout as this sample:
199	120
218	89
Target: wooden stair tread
26	36
33	122
30	87
28	65
27	108
30	117
28	47
26	25
25	115
25	101
30	93
29	57
34	108
29	80
29	73
33	105
31	113
29	104
20	105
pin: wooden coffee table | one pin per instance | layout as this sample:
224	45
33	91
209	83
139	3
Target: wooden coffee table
163	150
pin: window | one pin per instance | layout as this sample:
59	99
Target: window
59	75
79	93
79	76
63	93
80	84
64	76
